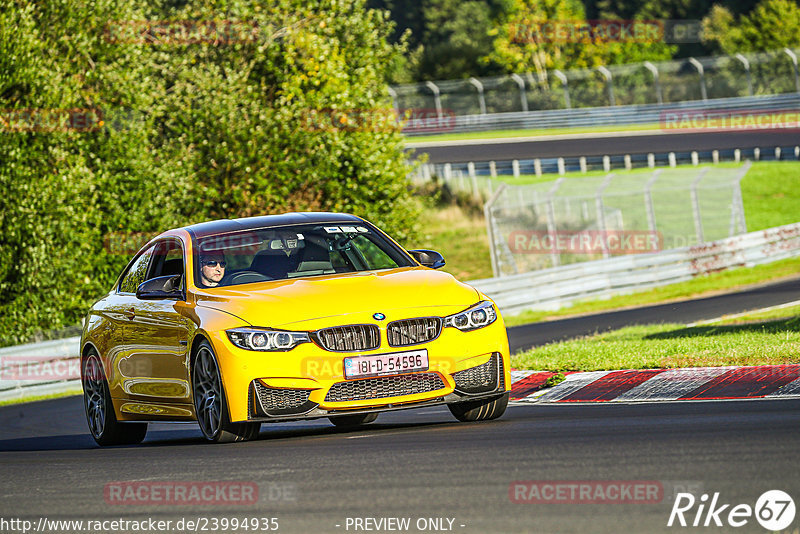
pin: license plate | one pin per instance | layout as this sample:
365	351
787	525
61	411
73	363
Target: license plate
386	364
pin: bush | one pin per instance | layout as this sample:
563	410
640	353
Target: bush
290	117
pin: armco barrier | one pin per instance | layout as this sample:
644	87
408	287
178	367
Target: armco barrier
553	288
605	116
35	369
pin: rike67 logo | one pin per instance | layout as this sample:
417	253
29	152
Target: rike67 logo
774	510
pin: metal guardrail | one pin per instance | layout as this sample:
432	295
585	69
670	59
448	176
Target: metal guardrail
557	287
597	116
35	369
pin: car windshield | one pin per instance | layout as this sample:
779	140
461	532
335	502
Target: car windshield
287	252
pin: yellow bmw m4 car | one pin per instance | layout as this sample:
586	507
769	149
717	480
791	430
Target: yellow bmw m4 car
234	323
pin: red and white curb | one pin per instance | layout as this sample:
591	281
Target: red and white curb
647	385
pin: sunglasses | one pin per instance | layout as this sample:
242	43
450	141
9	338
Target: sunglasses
213	263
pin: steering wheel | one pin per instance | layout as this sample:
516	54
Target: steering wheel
244	277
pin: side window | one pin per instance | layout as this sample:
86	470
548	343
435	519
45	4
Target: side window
376	258
167	260
137	273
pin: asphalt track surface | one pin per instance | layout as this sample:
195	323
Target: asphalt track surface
422	463
600	145
687	311
417	464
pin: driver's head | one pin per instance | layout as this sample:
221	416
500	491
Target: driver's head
212	268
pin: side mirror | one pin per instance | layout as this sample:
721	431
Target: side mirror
428	258
161	287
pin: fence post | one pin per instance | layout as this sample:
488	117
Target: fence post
609	84
473	178
551	221
493	169
515	168
562	77
793	57
523	97
738	202
746	65
481	99
699	66
648	200
395	106
437	100
698	221
601	217
656	81
487	212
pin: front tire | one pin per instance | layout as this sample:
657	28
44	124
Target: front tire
350	421
480	410
100	416
209	401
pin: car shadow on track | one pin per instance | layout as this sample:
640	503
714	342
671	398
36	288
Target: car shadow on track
166	437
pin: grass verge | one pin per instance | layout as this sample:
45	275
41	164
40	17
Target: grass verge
503	134
460	235
671	345
40	398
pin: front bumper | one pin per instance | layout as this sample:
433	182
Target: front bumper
315	375
379	394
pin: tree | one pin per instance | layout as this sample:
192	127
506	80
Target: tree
529	42
275	108
772	25
447	39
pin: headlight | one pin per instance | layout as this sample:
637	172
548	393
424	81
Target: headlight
266	340
478	316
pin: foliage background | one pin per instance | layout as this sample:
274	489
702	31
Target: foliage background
191	132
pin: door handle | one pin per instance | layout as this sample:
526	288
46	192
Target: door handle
130	313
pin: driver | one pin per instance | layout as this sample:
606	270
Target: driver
212	268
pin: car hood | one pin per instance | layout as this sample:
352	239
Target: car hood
281	303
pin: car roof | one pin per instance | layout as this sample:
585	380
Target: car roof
223	226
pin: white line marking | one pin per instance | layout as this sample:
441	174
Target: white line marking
672	384
792	388
743	314
571	384
516	376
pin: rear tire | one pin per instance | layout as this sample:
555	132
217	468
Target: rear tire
480	410
350	421
100	416
210	404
